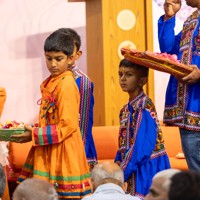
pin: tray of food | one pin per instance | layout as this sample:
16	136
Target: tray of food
159	61
10	128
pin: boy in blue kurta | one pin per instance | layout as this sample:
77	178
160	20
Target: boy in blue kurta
141	152
182	104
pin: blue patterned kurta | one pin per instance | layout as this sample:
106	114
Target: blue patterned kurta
182	103
141	146
86	87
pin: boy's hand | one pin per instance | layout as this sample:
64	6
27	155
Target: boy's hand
171	7
118	163
24	137
193	77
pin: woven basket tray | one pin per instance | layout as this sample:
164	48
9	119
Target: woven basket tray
156	62
6	133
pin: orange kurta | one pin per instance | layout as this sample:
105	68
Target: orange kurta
2	159
58	153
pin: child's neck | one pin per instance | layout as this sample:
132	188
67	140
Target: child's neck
70	67
134	94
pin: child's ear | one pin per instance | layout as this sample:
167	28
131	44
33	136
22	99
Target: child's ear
78	54
143	81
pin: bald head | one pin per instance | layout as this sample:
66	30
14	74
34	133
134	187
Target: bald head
109	167
34	189
107	172
166	176
160	184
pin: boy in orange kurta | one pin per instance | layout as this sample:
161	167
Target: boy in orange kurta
2	156
58	153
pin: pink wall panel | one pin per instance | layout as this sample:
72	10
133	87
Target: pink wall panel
24	25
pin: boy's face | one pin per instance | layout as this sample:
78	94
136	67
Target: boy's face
129	80
57	62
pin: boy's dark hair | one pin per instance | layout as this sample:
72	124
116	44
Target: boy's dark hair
144	71
2	180
185	185
58	41
72	33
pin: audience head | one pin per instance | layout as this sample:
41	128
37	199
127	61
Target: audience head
160	185
2	180
185	186
107	172
34	189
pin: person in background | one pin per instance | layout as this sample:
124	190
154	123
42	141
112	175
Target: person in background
161	184
35	189
107	180
182	100
58	154
185	185
3	151
2	181
141	152
86	88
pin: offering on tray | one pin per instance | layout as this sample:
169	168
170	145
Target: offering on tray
11	125
159	61
10	128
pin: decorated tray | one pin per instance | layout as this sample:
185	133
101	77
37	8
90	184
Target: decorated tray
6	133
159	61
10	128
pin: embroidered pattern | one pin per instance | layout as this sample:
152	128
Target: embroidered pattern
174	113
48	104
129	128
188	31
177	114
132	185
85	86
84	107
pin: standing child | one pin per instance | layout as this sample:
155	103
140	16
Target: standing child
86	87
58	153
141	152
